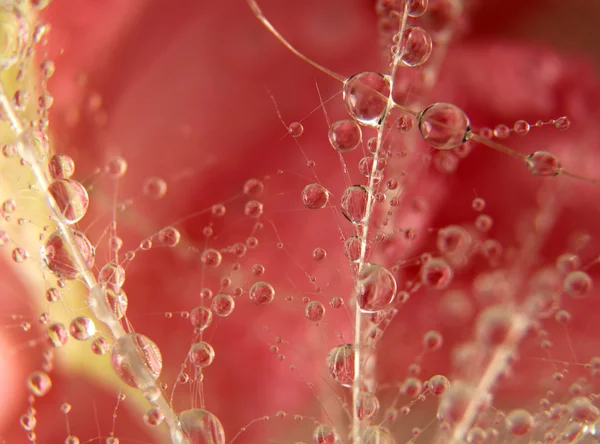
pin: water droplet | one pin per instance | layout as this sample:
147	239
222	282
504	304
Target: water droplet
116	167
345	135
100	346
58	256
444	125
366	95
314	311
568	262
295	129
436	273
112	273
201	317
368	405
521	127
519	422
582	409
108	303
9	206
211	258
57	334
354	203
319	254
13	35
416	46
222	304
315	196
376	288
340	364
493	325
218	210
438	385
39	383
199	426
453	240
377	435
542	163
82	328
417	8
324	434
253	209
261	293
478	204
484	223
61	166
432	340
562	123
155	187
202	354
52	295
19	255
454	402
578	284
28	422
154	417
253	188
336	302
136	360
71	199
169	237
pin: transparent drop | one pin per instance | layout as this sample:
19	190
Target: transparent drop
368	405
315	196
432	340
52	295
453	240
201	317
436	273
454	402
82	328
416	46
521	127
340	364
493	324
295	129
438	385
314	311
108	303
324	434
218	210
352	247
9	206
71	199
100	346
478	204
444	126
155	187
202	354
57	334
169	237
253	209
116	167
13	35
222	304
377	435
253	188
354	203
376	288
154	417
319	254
366	95
199	427
58	256
519	422
542	163
112	273
211	258
72	440
345	135
61	166
261	293
39	383
578	284
136	360
416	8
19	255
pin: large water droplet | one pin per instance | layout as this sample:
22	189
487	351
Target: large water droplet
315	196
82	328
201	317
340	364
519	422
377	435
345	135
112	273
416	46
354	203
366	95
136	360
202	354
454	402
199	427
444	125
542	163
61	166
376	288
222	304
261	293
324	434
59	257
71	199
436	273
368	405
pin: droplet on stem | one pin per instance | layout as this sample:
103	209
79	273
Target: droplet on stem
444	125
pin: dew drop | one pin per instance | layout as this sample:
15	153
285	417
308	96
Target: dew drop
108	303
543	163
116	167
521	127
59	258
453	240
136	360
72	440
336	302
416	46
562	123
261	293
455	401
436	273
82	328
19	255
222	304
112	273
202	354
61	166
352	247
201	317
155	187
39	383
432	340
315	196
57	334
368	405
319	254
314	311
493	325
100	346
253	188
478	204
519	422
354	203
325	434
9	206
52	295
438	385
366	95
444	126
340	364
376	288
345	135
169	237
578	284
377	435
211	258
218	210
581	408
295	129
199	426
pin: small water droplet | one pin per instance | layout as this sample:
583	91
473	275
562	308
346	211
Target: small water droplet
376	288
354	203
169	237
314	311
315	196
416	46
82	328
211	258
578	284
19	255
345	135
199	426
116	167
39	383
444	125
340	364
202	354
295	129
519	422
61	166
155	187
261	293
222	304
436	273
543	163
